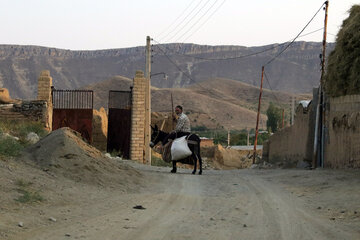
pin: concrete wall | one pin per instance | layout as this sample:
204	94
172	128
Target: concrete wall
343	136
291	144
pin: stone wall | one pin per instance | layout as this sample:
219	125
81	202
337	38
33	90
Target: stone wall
292	144
37	110
343	135
138	118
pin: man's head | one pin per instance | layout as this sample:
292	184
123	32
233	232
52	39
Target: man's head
178	109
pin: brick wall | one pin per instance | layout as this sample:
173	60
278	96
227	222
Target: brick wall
138	118
44	86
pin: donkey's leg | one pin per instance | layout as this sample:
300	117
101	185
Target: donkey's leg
174	167
193	156
200	163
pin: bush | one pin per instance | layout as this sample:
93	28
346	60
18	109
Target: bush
274	117
342	77
28	195
9	147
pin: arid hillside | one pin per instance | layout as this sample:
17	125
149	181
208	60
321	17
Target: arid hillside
296	70
216	103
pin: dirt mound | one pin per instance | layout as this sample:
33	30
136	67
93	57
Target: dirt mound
63	152
219	157
5	97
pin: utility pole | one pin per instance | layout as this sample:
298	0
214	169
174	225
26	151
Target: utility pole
258	114
283	116
248	137
147	149
228	138
319	136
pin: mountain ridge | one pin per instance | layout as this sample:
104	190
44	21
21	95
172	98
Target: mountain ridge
296	70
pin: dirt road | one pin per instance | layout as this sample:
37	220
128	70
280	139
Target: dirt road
236	204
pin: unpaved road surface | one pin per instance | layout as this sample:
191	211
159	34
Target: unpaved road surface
236	204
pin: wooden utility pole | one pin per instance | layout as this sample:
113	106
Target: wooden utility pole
248	137
172	113
258	114
320	110
147	149
228	138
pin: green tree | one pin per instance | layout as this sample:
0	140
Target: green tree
274	117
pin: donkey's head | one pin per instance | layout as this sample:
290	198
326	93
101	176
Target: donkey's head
154	136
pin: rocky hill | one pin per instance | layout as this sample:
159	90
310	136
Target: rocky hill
297	70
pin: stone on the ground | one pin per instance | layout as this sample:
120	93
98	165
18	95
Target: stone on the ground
32	138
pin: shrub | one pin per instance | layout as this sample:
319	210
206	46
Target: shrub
342	77
28	195
10	147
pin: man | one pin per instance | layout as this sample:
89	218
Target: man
182	124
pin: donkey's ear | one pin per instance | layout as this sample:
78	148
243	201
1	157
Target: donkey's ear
156	127
152	128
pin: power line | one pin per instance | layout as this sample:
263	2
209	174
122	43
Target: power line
175	19
183	20
271	60
205	20
171	61
272	91
197	20
189	21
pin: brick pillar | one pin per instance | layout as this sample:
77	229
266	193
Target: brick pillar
44	86
44	93
138	118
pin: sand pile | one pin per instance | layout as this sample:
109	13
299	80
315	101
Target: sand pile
5	97
63	152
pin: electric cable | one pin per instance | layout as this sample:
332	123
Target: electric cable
168	27
183	19
194	24
205	21
173	36
276	56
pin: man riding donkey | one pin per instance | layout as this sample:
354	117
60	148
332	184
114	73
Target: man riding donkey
182	129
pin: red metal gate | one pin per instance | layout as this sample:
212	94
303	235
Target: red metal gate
119	123
73	109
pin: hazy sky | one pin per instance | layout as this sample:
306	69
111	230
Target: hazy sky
104	24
